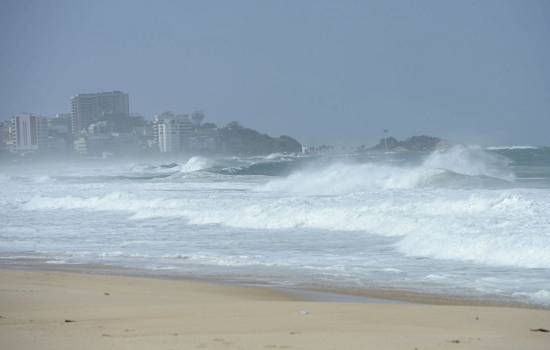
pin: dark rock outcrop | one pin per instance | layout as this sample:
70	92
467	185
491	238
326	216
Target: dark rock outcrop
415	143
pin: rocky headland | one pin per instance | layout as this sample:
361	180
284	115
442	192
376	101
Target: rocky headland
414	143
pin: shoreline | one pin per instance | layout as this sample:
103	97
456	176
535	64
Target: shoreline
59	310
304	292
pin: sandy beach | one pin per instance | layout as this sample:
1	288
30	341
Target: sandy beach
52	310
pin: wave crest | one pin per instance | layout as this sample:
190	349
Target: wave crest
197	163
337	179
465	161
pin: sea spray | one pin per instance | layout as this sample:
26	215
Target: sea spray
197	163
344	178
479	227
446	222
463	160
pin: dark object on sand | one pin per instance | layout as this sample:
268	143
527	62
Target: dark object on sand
540	330
107	294
66	321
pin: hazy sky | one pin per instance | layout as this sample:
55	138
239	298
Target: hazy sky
324	72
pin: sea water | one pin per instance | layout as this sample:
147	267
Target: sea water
464	222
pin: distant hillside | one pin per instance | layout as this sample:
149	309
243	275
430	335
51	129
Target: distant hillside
415	143
244	141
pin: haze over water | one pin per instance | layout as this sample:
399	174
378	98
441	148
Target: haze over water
462	221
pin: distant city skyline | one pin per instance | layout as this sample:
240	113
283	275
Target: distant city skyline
320	71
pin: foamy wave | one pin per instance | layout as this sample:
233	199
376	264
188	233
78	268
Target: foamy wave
506	229
493	148
345	178
197	163
462	160
275	155
340	178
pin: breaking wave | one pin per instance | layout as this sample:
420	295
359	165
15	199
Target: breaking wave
197	163
465	161
341	178
504	229
275	155
510	147
194	164
455	167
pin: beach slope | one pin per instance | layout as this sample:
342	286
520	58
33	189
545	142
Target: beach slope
43	310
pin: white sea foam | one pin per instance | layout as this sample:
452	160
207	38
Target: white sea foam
510	147
440	224
462	160
342	178
197	163
275	155
492	229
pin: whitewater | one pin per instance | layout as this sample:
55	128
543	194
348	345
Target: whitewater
461	222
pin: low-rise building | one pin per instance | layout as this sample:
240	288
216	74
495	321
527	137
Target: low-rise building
96	144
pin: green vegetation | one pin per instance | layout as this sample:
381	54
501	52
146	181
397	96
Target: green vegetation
236	139
197	117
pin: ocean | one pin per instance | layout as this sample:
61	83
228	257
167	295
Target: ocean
461	222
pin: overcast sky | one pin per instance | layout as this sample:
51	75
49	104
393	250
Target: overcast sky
324	72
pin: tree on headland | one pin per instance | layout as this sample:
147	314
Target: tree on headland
209	126
198	117
240	140
234	125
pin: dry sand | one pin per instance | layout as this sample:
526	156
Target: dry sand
110	312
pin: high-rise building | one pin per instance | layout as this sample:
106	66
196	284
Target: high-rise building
172	132
29	133
87	109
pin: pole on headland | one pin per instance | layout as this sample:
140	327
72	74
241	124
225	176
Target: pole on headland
386	139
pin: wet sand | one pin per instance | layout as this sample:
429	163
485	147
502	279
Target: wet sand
111	312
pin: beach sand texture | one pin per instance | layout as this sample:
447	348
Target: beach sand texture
43	310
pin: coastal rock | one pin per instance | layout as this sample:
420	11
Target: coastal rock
414	143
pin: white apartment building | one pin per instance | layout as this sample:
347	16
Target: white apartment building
29	133
169	138
172	132
86	109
